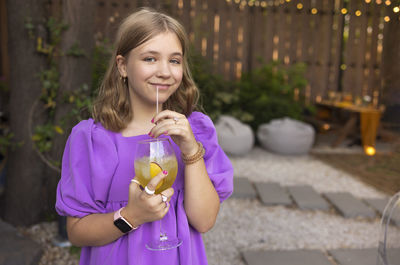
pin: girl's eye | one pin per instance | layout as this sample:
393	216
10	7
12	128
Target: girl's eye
149	59
175	61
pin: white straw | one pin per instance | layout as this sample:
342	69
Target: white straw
157	102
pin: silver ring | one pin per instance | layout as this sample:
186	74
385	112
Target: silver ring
175	120
135	181
148	191
164	198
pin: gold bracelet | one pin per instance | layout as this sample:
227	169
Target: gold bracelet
196	157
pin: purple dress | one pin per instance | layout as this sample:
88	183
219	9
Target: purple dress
97	167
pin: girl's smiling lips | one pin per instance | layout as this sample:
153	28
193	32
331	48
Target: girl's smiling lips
162	86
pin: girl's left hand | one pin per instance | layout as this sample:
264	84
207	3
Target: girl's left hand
177	126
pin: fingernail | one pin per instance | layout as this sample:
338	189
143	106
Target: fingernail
152	120
165	172
166	132
149	133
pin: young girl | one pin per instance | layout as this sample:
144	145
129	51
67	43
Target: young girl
96	186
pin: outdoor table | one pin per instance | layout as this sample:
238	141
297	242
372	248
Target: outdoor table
369	121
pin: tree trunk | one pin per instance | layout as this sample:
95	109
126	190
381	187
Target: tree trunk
75	71
391	69
25	174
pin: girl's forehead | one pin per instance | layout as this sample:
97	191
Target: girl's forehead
165	42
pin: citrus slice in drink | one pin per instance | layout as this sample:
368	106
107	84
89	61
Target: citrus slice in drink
155	169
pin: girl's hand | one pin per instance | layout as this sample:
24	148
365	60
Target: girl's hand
177	126
142	207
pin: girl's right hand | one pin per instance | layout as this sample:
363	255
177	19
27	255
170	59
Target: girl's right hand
142	207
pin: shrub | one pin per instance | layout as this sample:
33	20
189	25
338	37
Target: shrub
268	92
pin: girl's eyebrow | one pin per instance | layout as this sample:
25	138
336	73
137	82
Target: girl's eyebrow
155	52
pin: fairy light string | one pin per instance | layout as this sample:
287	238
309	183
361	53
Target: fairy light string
314	11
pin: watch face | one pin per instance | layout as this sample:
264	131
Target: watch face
122	225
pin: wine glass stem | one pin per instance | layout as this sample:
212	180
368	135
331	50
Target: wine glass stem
163	235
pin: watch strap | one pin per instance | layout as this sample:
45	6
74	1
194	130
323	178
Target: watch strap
117	215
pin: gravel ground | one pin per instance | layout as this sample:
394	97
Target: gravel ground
248	225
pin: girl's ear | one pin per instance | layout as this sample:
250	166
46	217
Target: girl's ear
121	64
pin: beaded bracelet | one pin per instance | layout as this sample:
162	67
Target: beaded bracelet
196	157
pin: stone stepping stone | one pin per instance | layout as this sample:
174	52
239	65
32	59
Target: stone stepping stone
243	189
307	198
16	249
377	204
349	206
355	256
272	194
286	257
392	256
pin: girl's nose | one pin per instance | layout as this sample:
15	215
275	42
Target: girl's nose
163	70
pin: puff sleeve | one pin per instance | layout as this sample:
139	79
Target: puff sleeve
218	166
88	165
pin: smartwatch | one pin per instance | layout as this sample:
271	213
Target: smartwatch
121	223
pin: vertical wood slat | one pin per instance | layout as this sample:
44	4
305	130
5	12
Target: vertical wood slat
235	22
210	13
336	51
4	69
376	15
361	31
245	45
268	34
196	17
307	45
223	38
348	74
294	32
325	31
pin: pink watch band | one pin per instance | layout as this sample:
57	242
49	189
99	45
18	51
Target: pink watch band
118	215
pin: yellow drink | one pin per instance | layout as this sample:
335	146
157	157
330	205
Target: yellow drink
144	174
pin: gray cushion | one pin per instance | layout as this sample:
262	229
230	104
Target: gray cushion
286	136
234	137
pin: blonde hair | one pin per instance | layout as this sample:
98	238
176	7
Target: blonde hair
112	107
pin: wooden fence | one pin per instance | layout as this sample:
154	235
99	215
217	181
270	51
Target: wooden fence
340	41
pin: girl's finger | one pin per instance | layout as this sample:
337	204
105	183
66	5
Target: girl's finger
166	129
135	185
167	114
150	189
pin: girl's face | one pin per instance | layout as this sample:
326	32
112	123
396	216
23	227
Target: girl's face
155	63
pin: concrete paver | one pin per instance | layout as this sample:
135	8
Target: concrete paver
355	256
307	198
243	189
349	206
377	204
16	249
272	194
286	257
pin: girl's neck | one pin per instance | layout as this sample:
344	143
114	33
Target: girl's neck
143	113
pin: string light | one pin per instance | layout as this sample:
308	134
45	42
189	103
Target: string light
369	150
314	11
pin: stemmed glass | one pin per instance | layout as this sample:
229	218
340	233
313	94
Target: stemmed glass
152	157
